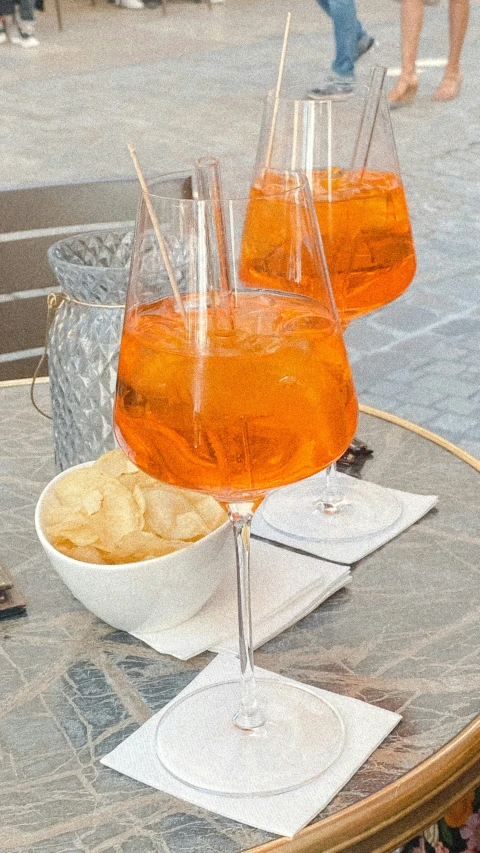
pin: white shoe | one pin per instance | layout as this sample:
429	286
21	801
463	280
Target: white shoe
3	34
130	4
24	36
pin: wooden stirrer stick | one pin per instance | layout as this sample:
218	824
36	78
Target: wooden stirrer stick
158	233
277	90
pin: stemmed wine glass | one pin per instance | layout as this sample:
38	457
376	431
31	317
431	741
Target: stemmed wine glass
347	150
234	391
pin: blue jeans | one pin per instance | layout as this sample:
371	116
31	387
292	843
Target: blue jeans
347	30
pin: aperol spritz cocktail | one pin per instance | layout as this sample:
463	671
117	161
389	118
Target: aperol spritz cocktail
366	234
367	238
234	390
347	150
360	202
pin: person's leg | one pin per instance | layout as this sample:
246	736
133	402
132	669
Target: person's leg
411	22
351	42
6	19
344	17
411	28
360	33
458	14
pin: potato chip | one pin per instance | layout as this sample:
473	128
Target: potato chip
92	502
72	489
64	523
76	534
59	514
137	478
86	554
118	515
172	516
209	510
115	463
141	545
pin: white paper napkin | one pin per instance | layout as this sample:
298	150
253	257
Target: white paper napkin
348	551
366	727
285	586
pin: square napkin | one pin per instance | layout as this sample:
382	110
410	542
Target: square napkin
348	551
285	586
285	814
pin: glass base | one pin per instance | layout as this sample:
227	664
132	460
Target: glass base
198	742
364	509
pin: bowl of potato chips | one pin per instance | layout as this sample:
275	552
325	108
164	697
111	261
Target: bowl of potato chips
139	554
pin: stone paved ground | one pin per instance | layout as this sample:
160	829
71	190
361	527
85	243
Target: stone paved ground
192	82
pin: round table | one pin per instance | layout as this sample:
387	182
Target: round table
404	635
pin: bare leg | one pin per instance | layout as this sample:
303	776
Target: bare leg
458	13
412	21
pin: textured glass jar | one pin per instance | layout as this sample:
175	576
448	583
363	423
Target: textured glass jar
84	339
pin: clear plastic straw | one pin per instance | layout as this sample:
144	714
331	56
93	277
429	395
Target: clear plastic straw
209	186
369	117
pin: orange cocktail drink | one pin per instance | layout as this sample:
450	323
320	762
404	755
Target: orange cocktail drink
234	410
365	228
367	238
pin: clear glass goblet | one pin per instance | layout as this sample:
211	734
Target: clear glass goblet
236	386
347	149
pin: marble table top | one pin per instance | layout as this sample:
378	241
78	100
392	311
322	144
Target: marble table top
404	635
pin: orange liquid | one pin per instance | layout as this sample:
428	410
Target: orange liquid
367	239
272	255
266	403
366	236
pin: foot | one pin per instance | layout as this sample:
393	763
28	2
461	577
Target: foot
405	90
3	33
449	87
335	86
363	45
23	34
130	4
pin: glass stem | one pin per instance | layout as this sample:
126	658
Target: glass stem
330	502
249	715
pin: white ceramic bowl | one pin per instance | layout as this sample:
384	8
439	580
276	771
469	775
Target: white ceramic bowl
150	595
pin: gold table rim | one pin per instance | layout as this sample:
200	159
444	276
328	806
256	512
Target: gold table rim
393	815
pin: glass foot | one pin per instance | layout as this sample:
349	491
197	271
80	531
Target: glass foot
364	509
198	742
